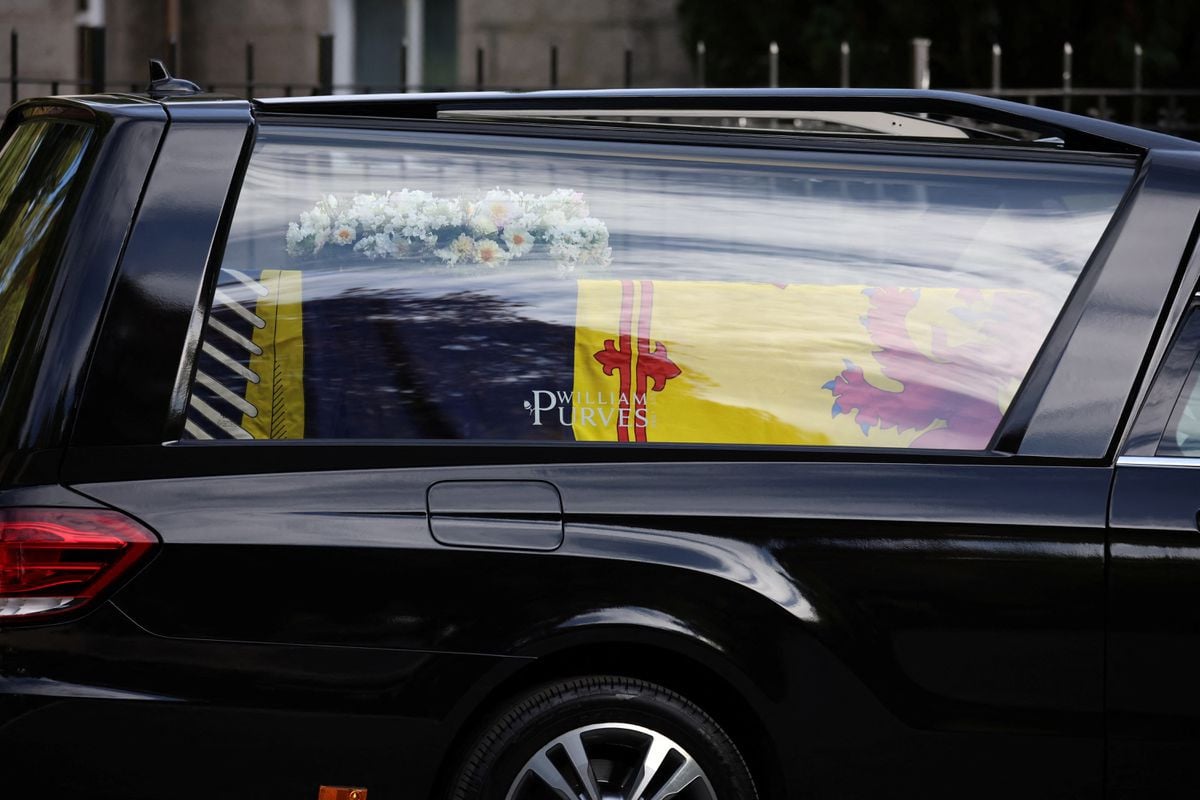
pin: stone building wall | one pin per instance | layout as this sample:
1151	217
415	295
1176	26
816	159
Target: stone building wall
47	43
284	33
591	36
135	31
516	35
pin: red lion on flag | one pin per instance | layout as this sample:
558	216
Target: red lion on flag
960	385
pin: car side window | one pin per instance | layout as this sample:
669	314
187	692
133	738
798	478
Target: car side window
1182	436
409	285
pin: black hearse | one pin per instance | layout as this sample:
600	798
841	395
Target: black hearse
591	445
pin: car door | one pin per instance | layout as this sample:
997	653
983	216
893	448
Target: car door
1154	640
822	424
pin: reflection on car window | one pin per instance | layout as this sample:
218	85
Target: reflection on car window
37	166
1183	432
390	285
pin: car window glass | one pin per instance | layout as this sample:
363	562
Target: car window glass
37	167
1182	437
401	285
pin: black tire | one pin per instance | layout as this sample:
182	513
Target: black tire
501	752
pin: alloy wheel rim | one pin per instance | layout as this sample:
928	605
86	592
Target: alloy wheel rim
611	761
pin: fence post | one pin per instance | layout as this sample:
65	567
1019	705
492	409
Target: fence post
920	74
628	68
479	69
773	65
996	67
12	66
553	66
845	64
414	24
404	64
1137	84
325	63
249	70
1171	119
701	50
94	48
1068	51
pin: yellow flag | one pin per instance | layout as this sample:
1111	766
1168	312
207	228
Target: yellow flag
716	362
278	396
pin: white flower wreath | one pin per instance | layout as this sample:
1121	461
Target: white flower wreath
491	230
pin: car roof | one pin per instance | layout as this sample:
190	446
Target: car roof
926	115
1075	132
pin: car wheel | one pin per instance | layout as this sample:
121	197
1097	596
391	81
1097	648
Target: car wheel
603	738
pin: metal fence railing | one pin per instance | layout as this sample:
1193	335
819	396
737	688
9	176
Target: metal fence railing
1161	109
1166	109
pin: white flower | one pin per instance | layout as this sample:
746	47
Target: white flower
489	253
294	239
481	224
492	229
580	241
554	219
518	240
567	202
461	248
502	207
379	245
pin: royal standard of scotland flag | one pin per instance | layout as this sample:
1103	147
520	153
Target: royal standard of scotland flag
298	355
715	362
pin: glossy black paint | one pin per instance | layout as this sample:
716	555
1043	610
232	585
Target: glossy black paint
38	410
864	623
1153	698
900	580
506	514
1154	640
155	308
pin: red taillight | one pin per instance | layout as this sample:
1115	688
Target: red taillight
55	559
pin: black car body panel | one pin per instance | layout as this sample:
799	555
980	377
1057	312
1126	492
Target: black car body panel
863	621
1152	702
160	284
131	129
765	583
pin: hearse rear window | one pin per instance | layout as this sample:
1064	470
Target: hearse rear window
419	286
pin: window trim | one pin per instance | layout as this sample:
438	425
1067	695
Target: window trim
1158	461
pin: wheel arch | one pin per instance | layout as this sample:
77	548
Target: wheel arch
707	679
